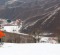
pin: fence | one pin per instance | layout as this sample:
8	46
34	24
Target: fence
18	38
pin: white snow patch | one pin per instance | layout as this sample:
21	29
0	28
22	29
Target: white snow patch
30	49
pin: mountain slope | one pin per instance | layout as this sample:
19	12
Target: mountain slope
46	23
36	14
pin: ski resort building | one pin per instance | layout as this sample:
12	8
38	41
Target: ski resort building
14	26
11	28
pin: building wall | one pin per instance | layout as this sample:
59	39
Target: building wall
11	28
18	38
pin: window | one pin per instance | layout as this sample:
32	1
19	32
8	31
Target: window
14	30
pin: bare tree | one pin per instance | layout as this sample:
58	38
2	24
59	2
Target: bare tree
36	34
57	33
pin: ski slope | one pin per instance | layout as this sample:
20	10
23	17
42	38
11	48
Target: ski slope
30	49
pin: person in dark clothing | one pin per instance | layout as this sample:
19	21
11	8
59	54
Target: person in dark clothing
0	39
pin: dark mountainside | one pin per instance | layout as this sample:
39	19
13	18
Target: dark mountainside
42	15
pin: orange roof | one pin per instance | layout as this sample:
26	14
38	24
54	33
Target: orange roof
1	34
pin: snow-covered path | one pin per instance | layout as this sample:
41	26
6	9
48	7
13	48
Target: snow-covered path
30	49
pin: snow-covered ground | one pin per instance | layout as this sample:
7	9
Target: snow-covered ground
30	49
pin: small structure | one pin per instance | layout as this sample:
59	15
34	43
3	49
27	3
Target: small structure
52	40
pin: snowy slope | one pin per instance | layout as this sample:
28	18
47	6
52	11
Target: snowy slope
30	49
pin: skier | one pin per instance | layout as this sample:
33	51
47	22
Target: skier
1	36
